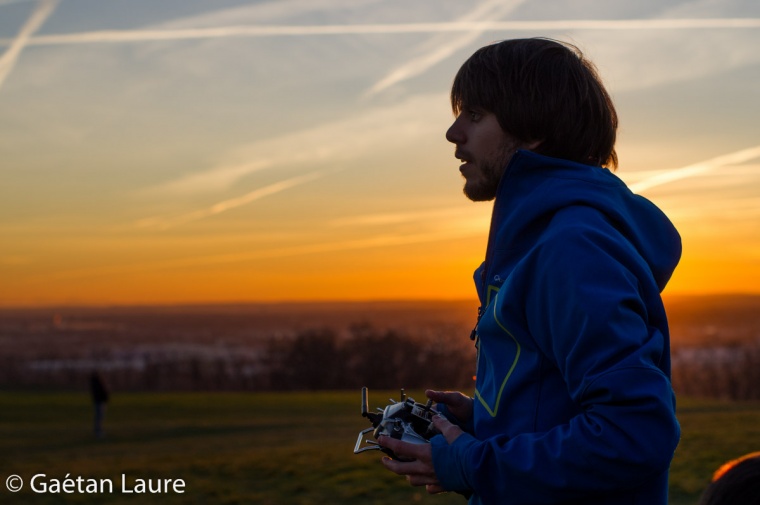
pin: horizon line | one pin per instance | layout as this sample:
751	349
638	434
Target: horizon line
327	301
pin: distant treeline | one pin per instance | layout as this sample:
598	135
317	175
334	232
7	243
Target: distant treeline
729	372
325	358
312	359
318	359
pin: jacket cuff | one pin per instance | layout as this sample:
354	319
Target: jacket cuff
449	461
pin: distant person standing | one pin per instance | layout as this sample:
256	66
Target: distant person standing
99	400
573	401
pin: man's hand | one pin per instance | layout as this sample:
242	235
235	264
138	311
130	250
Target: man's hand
419	470
459	405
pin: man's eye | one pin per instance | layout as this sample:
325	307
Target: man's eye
475	115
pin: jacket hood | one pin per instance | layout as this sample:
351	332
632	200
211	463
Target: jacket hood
535	187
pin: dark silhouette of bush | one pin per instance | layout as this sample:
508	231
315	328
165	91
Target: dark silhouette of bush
378	359
309	361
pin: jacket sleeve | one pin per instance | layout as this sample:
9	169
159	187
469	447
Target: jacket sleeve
584	308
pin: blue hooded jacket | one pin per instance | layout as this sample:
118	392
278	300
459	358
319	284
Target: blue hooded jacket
573	400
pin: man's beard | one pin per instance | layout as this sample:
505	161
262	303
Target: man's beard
484	189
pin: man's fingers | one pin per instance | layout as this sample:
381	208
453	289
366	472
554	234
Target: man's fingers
450	397
410	468
449	431
422	480
442	396
434	489
456	401
415	462
405	449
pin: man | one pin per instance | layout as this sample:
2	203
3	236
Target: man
736	481
573	401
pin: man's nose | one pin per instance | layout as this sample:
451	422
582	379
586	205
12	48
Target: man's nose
455	134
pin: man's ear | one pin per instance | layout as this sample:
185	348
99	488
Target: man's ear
532	145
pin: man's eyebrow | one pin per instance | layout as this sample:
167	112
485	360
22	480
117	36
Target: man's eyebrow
462	105
474	108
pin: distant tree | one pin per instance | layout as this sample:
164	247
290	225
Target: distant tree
449	363
731	372
368	356
378	360
309	361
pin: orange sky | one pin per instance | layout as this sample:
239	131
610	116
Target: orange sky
296	151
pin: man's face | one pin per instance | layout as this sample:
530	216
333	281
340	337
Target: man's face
485	150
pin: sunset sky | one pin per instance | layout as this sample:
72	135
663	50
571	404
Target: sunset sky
183	151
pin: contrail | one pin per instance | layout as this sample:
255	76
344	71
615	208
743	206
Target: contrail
444	48
10	56
358	244
225	205
338	142
8	2
697	169
121	36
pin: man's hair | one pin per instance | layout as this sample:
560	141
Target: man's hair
736	482
542	90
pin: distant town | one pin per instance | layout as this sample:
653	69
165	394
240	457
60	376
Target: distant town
328	345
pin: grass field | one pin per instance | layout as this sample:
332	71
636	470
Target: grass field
295	448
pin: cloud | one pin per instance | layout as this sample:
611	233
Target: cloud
330	142
696	169
471	222
334	144
125	36
444	46
659	46
9	58
165	223
267	12
217	179
460	222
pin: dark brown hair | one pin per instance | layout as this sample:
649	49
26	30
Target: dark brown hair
542	90
736	482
